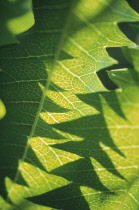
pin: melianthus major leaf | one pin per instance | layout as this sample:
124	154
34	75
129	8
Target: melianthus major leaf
62	127
10	14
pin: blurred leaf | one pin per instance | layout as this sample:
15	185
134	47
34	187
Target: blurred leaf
64	133
15	17
2	110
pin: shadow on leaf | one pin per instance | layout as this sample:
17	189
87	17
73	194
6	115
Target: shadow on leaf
62	198
82	173
93	129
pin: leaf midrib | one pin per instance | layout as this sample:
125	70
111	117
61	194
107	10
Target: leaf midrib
56	58
131	184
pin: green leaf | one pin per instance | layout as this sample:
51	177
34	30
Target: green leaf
66	141
15	17
2	110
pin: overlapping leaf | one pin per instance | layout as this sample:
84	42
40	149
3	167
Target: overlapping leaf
70	136
14	13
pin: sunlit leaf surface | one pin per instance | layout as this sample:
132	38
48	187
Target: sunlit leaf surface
66	141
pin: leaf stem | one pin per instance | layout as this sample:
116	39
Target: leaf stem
56	57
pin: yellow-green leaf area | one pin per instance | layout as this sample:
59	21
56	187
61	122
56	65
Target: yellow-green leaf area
66	141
